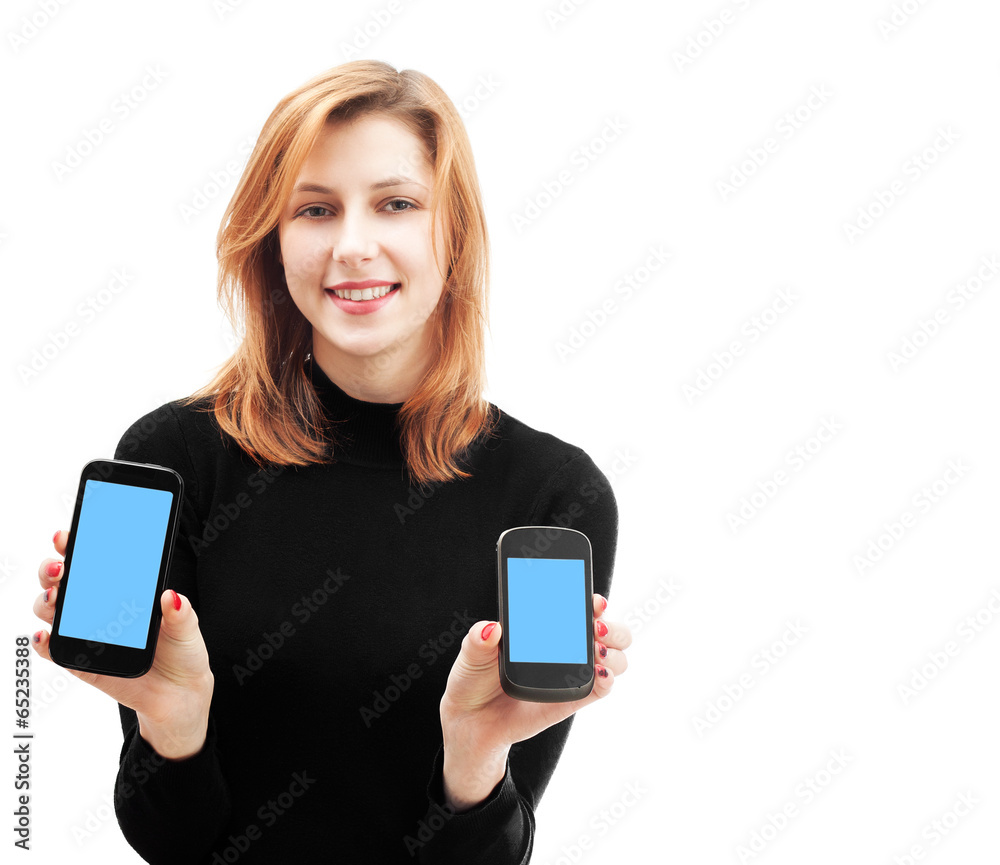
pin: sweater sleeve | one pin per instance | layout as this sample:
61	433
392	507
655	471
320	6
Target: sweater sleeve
500	830
170	811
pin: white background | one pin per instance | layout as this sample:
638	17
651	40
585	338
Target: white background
704	597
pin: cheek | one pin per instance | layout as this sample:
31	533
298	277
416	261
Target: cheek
304	256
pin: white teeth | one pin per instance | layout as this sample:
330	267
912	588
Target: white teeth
363	293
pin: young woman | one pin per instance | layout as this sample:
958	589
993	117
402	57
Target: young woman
325	683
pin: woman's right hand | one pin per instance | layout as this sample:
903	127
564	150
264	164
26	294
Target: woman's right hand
172	700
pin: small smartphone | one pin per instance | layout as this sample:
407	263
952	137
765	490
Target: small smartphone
107	611
545	577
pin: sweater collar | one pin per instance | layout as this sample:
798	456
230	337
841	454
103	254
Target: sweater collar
366	433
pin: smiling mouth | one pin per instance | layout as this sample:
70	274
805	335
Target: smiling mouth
364	293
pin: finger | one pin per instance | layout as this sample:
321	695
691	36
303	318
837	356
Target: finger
45	604
50	572
59	540
479	653
614	659
613	634
600	605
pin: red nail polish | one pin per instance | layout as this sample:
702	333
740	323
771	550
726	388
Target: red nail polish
601	628
52	569
488	630
605	602
177	599
37	637
603	650
55	537
603	673
47	593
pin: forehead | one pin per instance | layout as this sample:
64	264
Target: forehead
366	149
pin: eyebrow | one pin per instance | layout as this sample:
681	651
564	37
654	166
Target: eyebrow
381	184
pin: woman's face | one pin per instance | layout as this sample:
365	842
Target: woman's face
356	249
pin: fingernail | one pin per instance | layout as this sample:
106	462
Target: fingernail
177	599
603	650
604	601
603	673
37	637
55	537
47	593
53	569
601	628
488	630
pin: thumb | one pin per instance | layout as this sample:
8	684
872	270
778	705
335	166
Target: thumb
481	645
180	622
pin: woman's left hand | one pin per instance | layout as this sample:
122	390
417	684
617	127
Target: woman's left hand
480	722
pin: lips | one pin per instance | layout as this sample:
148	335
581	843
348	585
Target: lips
364	293
368	300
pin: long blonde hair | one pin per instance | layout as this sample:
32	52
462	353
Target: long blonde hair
263	396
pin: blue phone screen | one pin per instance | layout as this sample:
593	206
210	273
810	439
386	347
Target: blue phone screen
115	563
545	605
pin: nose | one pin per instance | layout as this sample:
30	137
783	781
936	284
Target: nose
354	241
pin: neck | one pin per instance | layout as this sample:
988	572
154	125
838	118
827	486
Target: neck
390	376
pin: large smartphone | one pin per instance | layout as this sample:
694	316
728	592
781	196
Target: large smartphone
107	612
546	580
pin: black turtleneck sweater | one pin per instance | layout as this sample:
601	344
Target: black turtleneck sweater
333	600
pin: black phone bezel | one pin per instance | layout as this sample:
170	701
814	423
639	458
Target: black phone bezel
545	682
109	659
